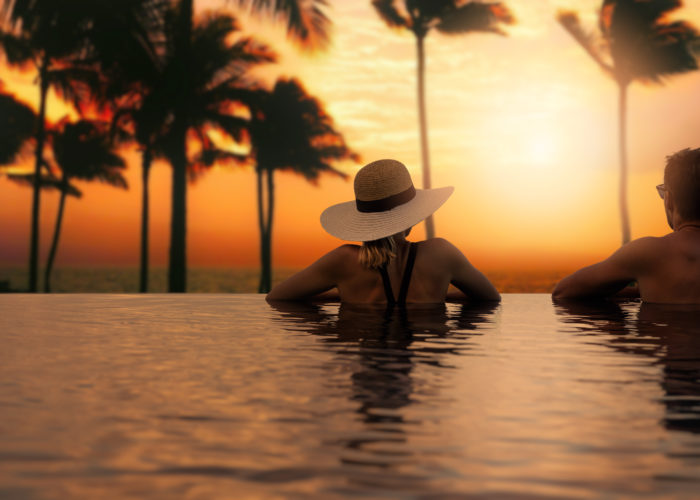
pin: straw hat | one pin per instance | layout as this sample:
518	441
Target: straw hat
385	203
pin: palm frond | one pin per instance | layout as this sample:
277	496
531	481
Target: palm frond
658	9
645	45
249	51
307	21
17	122
112	177
233	126
475	16
570	21
290	130
668	52
48	182
17	49
82	150
74	84
211	156
695	47
390	14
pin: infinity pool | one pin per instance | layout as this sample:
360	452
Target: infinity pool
224	396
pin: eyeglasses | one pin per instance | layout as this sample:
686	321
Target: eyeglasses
661	189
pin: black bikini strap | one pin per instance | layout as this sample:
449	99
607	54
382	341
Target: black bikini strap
390	301
406	280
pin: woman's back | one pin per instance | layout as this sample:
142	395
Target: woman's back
426	281
385	208
437	264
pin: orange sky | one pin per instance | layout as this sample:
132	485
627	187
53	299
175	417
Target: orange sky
523	126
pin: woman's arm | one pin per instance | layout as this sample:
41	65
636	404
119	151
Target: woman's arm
468	279
319	277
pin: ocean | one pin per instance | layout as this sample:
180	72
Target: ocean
229	280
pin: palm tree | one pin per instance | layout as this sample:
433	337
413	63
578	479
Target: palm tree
17	122
307	22
54	39
49	182
450	17
82	151
40	34
140	125
130	94
289	130
203	77
637	42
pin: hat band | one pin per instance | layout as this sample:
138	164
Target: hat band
384	204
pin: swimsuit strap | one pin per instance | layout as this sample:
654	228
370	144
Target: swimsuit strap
406	280
390	301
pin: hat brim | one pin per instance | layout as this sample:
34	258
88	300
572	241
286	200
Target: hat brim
344	221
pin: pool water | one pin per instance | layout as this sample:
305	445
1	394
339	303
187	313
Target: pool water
225	396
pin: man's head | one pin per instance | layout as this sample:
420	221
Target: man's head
682	183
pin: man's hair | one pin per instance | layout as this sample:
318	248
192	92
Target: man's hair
377	253
682	179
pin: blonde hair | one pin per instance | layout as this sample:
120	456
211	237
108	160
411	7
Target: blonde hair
377	253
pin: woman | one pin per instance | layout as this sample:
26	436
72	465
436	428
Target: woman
386	268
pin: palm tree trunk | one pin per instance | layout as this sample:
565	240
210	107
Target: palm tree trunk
39	158
145	171
177	268
263	230
624	214
268	233
422	121
56	234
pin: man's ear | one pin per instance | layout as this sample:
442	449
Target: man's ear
669	208
669	202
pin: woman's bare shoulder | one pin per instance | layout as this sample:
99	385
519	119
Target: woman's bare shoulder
340	256
345	251
439	246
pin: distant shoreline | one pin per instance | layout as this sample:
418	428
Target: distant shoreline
229	280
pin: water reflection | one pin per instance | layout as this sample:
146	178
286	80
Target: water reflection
667	335
388	352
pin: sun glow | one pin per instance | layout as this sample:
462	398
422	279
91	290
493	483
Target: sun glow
531	173
540	150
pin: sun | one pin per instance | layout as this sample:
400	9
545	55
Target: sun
540	150
533	173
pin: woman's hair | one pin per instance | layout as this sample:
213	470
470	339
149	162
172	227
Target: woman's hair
377	253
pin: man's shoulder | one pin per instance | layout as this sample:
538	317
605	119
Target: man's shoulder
644	251
648	242
652	243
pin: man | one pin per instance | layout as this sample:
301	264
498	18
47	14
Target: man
666	269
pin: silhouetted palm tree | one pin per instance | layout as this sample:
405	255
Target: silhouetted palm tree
55	39
17	121
289	130
307	22
637	42
48	182
41	34
450	17
131	94
81	151
203	77
138	124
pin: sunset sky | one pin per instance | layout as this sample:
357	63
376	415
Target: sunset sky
524	127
